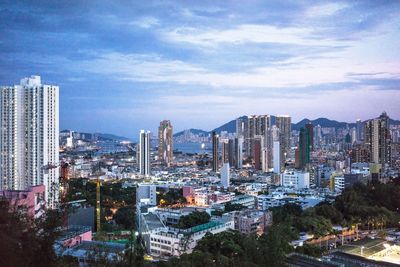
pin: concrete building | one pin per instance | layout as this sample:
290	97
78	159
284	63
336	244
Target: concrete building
29	134
296	179
338	184
252	221
146	191
225	175
31	201
215	145
284	124
165	142
239	152
377	139
245	200
144	153
276	157
162	241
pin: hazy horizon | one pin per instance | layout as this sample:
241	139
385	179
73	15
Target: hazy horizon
125	66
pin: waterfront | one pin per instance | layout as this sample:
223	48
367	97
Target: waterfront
193	147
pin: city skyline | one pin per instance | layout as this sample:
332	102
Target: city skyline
133	65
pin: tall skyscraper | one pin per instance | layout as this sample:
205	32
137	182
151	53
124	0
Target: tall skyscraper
310	132
241	127
377	139
258	125
225	175
276	157
225	151
29	133
239	152
359	130
257	149
165	139
284	124
318	135
215	141
144	153
231	152
305	146
242	131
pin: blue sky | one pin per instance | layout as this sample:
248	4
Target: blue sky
126	65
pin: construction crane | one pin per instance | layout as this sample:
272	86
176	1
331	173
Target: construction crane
98	173
98	222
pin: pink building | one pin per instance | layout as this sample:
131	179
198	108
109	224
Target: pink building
74	235
31	200
187	191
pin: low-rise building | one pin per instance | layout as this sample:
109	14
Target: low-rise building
162	240
31	201
252	221
296	179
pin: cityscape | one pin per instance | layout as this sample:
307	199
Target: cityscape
168	133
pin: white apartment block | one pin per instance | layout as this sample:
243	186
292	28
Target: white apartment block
29	132
295	179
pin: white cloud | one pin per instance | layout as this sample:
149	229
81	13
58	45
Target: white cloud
325	9
300	73
248	33
145	22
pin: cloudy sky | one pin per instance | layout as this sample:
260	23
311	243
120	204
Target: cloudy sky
126	65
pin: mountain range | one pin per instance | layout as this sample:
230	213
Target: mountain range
230	126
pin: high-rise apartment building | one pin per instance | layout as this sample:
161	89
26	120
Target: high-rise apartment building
238	152
144	153
359	130
258	125
29	137
225	175
377	139
225	151
284	124
215	144
231	152
165	140
305	146
276	157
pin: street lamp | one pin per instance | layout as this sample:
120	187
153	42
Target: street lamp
362	249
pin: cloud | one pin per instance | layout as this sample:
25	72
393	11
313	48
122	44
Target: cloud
145	22
324	10
295	72
249	33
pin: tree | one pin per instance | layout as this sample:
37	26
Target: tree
25	241
232	207
193	219
125	217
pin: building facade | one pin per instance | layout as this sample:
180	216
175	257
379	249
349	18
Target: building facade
215	145
144	153
29	134
165	142
284	124
378	141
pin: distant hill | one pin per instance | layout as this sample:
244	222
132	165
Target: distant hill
194	131
230	126
99	136
394	122
323	122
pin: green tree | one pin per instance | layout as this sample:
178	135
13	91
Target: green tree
193	219
25	241
125	217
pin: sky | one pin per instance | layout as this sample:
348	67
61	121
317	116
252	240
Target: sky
123	66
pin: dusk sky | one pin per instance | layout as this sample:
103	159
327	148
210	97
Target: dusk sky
123	66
